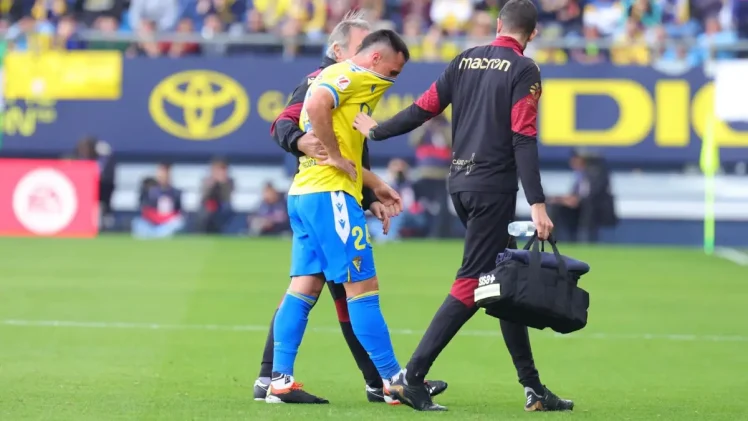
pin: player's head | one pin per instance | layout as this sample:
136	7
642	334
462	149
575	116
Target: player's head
384	52
518	19
346	37
163	173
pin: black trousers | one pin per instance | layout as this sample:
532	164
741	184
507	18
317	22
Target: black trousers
486	217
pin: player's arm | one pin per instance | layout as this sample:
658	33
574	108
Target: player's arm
429	105
525	97
285	129
372	180
319	107
369	196
384	193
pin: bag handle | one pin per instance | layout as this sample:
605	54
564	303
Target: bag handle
535	250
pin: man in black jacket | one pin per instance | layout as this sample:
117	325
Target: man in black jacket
343	43
494	91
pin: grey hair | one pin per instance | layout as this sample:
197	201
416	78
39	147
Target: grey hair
341	33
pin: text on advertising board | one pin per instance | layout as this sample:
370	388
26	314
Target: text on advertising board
631	114
671	112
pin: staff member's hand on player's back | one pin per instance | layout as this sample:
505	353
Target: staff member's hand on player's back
542	222
311	146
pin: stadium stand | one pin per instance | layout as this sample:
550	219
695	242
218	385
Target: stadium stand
664	197
646	41
635	31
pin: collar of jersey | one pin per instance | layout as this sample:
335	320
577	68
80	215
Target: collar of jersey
388	79
508	42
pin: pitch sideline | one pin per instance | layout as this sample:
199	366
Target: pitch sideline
734	255
263	329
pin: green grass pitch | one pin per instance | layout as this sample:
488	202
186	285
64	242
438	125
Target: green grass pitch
119	329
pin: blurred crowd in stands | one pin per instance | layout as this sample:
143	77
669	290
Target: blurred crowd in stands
635	30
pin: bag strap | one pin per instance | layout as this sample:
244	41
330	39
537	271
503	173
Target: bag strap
562	270
532	240
535	259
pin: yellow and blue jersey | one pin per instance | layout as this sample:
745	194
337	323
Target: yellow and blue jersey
354	90
324	204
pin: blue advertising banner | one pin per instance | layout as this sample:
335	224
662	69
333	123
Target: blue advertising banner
224	106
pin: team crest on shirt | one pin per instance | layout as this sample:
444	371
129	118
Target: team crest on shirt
535	91
342	82
357	263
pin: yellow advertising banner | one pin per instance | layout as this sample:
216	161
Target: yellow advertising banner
63	75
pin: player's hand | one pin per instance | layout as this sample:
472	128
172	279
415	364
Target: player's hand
390	199
310	146
379	210
363	123
541	220
345	165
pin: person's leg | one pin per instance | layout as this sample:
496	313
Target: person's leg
349	261
364	363
171	228
300	262
486	217
483	241
143	229
292	315
290	323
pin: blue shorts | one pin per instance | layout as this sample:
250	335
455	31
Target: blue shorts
330	236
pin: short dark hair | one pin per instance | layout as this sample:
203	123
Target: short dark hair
519	16
388	37
219	162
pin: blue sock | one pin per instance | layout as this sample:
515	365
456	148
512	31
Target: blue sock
288	329
371	330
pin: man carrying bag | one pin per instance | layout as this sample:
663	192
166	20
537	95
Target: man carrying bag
535	288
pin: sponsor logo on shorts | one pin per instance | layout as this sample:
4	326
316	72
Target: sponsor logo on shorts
357	263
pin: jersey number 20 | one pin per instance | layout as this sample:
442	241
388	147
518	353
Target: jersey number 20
359	233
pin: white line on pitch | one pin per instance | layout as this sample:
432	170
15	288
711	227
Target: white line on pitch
736	256
263	329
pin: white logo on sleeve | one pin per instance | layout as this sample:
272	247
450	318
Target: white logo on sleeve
342	82
45	201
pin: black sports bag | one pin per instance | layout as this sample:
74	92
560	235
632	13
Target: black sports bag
536	289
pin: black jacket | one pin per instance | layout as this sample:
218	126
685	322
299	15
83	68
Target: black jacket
494	92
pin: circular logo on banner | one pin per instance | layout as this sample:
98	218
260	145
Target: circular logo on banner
45	201
199	105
